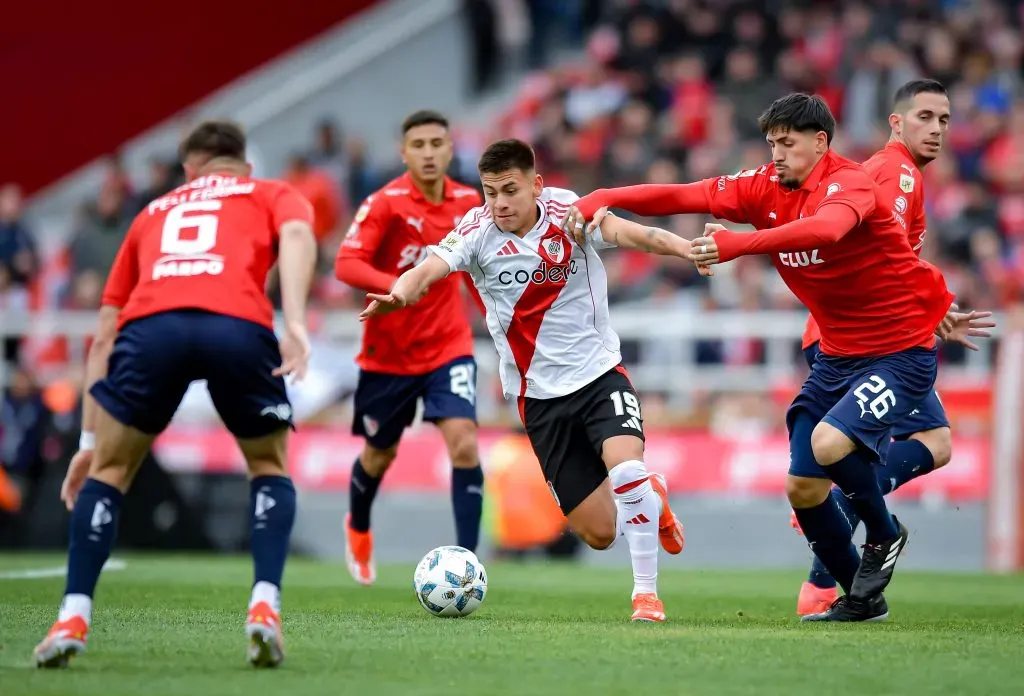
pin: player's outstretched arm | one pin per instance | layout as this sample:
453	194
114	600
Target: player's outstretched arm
410	287
827	226
649	200
652	240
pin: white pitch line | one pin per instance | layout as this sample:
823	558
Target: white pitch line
55	572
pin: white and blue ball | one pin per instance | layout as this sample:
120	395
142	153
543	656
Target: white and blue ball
450	581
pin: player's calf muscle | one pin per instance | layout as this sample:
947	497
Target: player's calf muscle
376	461
594	520
830	444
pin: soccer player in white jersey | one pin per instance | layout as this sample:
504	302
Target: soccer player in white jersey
547	311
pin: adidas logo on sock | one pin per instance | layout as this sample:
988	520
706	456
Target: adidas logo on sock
639	519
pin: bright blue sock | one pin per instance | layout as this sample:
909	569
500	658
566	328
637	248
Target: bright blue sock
93	529
907	459
362	489
272	511
830	538
856	477
468	505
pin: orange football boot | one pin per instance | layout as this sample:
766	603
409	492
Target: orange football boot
65	640
648	608
359	554
670	529
266	643
814	599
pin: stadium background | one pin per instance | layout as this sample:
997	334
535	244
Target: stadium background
611	93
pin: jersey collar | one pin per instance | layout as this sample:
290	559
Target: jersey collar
813	180
897	146
417	195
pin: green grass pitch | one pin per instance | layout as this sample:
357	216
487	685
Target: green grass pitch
173	625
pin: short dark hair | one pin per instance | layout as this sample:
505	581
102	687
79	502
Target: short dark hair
215	139
799	112
913	88
504	155
423	117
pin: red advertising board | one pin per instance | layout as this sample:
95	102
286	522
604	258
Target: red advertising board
695	463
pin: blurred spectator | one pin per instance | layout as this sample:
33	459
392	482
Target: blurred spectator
321	190
17	247
164	177
23	417
101	229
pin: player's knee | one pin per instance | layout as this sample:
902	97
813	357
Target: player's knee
806	492
939	442
462	448
829	444
376	461
622	448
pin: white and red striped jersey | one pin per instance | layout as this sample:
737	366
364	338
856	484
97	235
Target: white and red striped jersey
546	298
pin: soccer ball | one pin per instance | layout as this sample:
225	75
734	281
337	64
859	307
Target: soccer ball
450	581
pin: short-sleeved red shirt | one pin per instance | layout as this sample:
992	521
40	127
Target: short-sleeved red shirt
869	292
392	230
208	245
902	190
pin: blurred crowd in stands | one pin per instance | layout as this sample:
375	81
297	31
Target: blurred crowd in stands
663	91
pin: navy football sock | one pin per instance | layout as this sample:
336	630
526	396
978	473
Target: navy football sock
362	489
856	477
830	537
844	506
819	575
272	508
907	460
468	505
93	529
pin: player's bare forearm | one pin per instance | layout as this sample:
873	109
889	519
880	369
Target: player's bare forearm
415	282
296	266
97	361
652	240
360	274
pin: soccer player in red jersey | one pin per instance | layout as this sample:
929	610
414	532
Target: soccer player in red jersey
834	241
424	353
185	301
922	440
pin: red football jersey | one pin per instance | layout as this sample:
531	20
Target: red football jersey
902	189
391	232
208	245
869	291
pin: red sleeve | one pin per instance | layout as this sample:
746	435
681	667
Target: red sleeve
827	226
288	205
354	263
124	274
901	188
852	188
735	197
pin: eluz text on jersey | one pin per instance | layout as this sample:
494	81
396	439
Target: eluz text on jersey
799	259
544	273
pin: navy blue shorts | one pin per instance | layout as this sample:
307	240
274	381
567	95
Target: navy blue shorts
928	416
865	398
155	359
385	405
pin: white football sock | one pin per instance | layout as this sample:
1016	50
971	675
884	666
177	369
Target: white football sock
639	509
266	592
75	605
